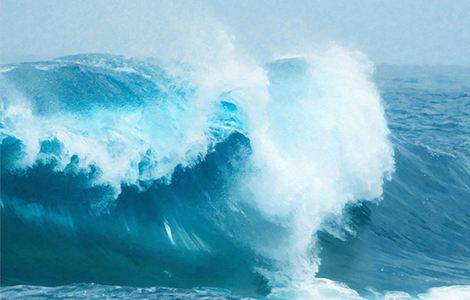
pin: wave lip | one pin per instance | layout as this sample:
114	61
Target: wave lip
121	116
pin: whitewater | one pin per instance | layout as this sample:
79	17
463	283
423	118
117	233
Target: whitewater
308	176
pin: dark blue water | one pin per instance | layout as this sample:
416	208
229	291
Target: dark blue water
416	237
108	177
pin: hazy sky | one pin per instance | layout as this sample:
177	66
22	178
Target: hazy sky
394	31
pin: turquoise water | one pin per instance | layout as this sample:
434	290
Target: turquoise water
316	178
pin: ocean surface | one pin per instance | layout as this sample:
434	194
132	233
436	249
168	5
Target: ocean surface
306	177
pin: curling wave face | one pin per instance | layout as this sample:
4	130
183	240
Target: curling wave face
134	172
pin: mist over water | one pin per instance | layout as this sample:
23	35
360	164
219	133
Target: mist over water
399	32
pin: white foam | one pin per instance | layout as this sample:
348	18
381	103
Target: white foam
454	292
114	141
457	292
320	140
168	232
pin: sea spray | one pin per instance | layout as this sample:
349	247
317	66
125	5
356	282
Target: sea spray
319	142
303	136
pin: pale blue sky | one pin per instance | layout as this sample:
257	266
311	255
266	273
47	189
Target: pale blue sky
395	31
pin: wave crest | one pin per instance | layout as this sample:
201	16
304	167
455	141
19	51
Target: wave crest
252	163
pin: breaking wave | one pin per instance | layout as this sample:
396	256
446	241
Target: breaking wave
135	172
